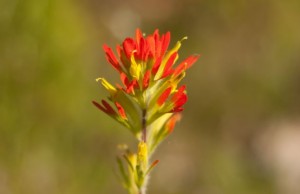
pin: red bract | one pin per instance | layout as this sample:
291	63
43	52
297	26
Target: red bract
179	99
146	79
121	110
161	100
105	108
143	54
111	58
172	121
187	63
168	67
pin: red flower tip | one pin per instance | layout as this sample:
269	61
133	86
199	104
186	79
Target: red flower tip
130	86
146	79
156	65
170	62
154	163
152	166
179	99
171	122
138	35
124	79
151	45
184	65
177	109
121	110
163	97
111	58
179	93
129	46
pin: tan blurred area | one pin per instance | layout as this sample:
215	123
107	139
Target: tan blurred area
240	131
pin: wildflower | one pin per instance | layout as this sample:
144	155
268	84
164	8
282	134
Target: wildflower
148	100
148	75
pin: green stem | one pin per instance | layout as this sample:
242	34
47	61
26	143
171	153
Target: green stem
144	127
144	138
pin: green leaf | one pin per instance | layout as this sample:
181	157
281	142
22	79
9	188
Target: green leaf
151	167
123	172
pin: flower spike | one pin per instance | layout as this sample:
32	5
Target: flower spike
147	99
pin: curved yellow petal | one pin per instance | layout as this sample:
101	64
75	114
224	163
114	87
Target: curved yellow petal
110	88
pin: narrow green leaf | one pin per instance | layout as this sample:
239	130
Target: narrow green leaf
129	163
123	172
152	166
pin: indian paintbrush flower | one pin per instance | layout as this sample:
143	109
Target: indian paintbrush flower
149	99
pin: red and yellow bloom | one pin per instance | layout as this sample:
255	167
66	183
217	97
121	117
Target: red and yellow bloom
149	79
149	98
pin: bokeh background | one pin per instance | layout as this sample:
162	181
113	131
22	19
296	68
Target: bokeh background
240	132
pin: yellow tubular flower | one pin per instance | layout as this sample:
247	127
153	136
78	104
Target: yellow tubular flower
111	89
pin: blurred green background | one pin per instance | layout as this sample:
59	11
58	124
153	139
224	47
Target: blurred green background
240	132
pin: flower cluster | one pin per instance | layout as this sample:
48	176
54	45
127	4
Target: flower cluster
149	98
